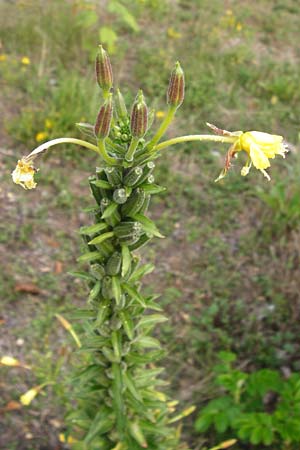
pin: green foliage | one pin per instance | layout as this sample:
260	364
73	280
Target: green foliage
261	408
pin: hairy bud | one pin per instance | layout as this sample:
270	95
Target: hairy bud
175	94
139	117
103	70
103	122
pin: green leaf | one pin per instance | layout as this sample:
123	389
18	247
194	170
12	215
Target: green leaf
121	10
109	37
151	319
147	224
137	358
203	422
147	342
95	342
134	294
129	383
102	184
126	260
116	288
116	343
101	424
95	291
141	272
109	210
137	433
101	238
82	314
117	388
92	229
83	275
152	188
90	256
127	324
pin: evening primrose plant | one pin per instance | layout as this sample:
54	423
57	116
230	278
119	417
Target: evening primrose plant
119	401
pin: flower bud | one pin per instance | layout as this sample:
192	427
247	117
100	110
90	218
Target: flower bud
120	106
139	117
103	70
175	94
103	122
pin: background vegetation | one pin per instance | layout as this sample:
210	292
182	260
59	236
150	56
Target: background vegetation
228	269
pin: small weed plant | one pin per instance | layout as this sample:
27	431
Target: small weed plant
261	408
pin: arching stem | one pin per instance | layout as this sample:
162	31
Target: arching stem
42	148
194	137
163	128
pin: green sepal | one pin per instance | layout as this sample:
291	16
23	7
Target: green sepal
144	239
147	224
113	264
133	176
92	229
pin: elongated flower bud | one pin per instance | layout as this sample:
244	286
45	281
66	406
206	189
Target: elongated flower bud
139	117
175	94
103	70
120	106
103	122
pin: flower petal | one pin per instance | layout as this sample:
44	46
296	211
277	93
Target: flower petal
258	157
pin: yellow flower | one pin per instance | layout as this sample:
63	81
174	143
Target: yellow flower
160	114
69	440
24	174
239	27
48	123
9	361
25	60
27	398
3	57
260	147
41	136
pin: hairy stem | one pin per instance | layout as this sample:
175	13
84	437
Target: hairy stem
163	128
42	148
195	137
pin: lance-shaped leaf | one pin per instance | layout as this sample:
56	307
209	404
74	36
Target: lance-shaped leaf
134	294
152	188
141	272
102	184
83	275
116	288
129	383
90	256
137	433
102	423
147	224
147	342
151	319
117	389
116	343
127	324
92	229
95	291
101	238
109	210
126	260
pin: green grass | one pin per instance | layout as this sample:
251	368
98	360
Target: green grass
227	270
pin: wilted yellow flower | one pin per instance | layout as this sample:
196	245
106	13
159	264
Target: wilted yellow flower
27	398
260	147
239	26
41	136
25	60
69	440
24	174
173	34
9	361
3	57
69	328
160	114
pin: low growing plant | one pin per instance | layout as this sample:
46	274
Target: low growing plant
119	402
261	408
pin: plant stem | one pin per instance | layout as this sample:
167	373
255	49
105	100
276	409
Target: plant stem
132	148
162	129
195	137
102	150
46	145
